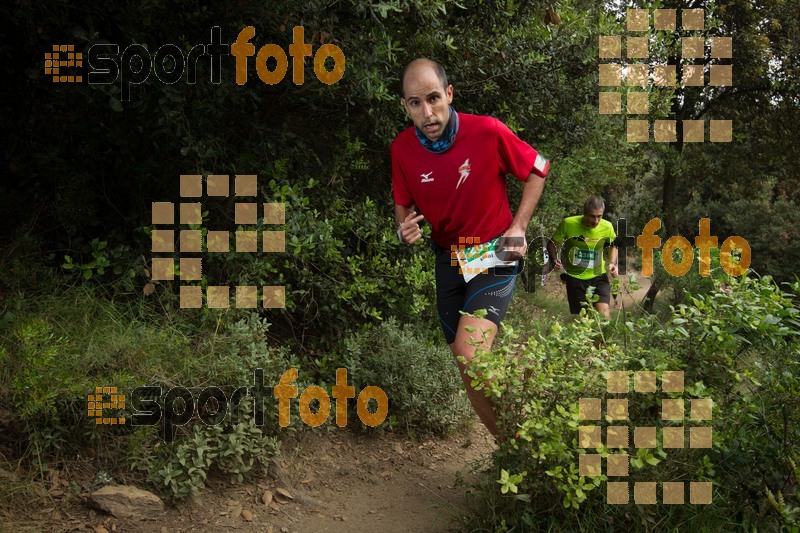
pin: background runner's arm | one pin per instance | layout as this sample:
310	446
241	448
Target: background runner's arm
555	261
612	261
612	254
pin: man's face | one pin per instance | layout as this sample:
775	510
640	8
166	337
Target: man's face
592	218
426	101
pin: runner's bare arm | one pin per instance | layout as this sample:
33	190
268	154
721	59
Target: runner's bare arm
401	212
551	250
612	261
409	221
530	198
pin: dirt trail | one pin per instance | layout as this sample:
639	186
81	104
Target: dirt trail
630	300
340	481
386	483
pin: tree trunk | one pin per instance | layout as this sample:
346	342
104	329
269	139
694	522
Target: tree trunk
668	208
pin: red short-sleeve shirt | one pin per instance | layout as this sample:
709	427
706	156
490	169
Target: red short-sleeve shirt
462	192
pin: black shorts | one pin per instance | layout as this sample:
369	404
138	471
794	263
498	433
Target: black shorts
491	291
576	290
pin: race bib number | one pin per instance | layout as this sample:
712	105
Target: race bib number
584	258
479	258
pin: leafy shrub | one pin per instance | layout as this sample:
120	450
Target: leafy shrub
180	468
116	261
789	512
342	266
691	283
59	347
419	377
738	347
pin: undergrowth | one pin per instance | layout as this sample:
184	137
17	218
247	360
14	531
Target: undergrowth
737	345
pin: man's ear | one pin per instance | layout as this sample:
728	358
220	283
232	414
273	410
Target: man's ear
405	104
449	92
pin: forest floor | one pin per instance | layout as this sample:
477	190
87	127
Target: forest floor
339	480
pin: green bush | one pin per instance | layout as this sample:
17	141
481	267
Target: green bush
738	347
788	511
56	348
342	266
180	468
419	376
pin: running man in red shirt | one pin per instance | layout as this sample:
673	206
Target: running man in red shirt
450	168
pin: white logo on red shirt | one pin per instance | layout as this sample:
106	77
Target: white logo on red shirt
464	171
426	177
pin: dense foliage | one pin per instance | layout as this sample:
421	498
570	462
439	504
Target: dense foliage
420	378
738	347
82	164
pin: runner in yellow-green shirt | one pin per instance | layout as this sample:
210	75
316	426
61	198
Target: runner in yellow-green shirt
586	238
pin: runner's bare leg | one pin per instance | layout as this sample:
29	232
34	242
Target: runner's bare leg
461	348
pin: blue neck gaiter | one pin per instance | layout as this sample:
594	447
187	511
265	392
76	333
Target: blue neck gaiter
446	140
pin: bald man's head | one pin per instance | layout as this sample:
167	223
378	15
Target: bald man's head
416	66
427	97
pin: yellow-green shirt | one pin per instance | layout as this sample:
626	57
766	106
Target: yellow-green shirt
583	247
